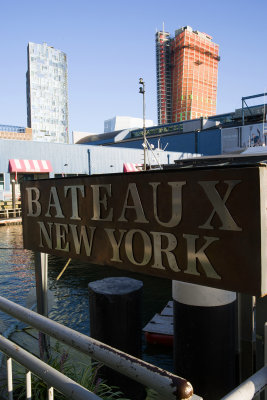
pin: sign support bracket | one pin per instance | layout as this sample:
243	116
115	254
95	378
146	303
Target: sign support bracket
247	335
41	274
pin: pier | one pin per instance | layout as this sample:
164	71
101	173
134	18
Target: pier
10	212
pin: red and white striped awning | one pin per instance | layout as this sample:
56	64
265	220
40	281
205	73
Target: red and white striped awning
131	167
41	166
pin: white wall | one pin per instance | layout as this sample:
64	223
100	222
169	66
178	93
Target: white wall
117	123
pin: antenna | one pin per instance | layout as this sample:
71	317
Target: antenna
165	146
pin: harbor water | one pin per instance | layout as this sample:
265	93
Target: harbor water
68	297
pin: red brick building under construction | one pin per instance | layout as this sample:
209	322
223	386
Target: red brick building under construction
187	70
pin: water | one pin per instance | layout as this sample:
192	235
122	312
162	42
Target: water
70	305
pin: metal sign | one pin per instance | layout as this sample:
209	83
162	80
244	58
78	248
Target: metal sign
204	226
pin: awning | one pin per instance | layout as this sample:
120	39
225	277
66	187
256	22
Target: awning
41	166
131	167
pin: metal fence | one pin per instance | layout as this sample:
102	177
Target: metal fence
168	385
52	377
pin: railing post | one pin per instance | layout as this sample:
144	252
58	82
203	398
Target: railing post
28	385
50	393
41	273
9	379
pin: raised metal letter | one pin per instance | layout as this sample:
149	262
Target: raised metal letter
193	256
176	203
228	224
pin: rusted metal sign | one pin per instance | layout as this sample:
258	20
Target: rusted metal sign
204	226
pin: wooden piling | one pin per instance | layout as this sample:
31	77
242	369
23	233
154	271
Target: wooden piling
116	319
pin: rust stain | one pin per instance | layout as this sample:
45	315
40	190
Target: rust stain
183	389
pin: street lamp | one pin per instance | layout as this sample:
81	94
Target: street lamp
142	91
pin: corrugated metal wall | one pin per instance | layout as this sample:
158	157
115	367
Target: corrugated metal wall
204	142
74	156
209	142
108	159
76	159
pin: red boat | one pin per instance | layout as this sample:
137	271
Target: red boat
159	330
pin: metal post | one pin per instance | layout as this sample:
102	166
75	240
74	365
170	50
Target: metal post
142	90
41	271
9	379
243	117
28	385
13	196
247	335
50	393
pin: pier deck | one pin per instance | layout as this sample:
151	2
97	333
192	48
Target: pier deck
11	221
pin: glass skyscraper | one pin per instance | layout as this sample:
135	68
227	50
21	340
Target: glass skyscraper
47	93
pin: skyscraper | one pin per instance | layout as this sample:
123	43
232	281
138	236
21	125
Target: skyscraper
163	65
47	93
187	70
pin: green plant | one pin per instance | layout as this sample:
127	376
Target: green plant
152	395
86	376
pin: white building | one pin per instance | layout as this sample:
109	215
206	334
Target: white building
76	135
118	123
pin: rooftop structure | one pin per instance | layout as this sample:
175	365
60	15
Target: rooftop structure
77	136
15	132
218	134
121	122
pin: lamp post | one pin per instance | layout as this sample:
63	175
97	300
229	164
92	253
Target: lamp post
142	90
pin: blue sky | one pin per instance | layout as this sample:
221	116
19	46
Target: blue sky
110	44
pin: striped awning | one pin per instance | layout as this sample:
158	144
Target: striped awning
40	166
131	167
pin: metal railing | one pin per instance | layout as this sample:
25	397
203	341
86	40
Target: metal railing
10	212
253	385
165	383
52	377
